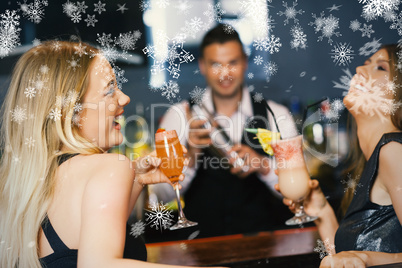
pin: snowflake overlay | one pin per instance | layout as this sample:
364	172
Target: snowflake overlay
251	9
334	112
169	90
377	8
224	71
367	30
326	25
258	97
351	184
271	44
299	38
33	11
342	54
192	27
214	13
324	248
290	12
270	68
9	32
397	24
159	217
18	115
345	81
258	60
370	48
137	229
371	99
175	56
197	95
99	7
354	25
30	142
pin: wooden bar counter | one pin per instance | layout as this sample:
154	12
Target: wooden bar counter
282	248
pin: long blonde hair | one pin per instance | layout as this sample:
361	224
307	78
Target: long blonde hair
39	116
356	157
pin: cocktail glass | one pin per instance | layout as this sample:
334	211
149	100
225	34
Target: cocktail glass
293	175
169	150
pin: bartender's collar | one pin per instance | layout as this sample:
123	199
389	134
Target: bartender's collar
245	106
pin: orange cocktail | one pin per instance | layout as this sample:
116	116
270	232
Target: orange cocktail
169	150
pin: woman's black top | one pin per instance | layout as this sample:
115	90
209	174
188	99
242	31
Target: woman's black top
368	226
63	257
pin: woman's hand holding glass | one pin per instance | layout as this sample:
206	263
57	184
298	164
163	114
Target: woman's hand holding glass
314	202
147	170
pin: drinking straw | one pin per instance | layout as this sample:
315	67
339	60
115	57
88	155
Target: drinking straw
311	105
273	115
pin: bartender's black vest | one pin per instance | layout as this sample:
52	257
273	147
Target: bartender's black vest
223	204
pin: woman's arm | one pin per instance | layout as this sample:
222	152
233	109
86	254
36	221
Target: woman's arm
357	259
104	215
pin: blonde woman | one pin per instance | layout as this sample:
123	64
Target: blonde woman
370	232
64	202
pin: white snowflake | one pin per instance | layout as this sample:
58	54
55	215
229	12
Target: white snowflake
137	229
342	54
270	68
128	40
250	75
76	120
159	217
258	60
121	8
258	97
163	3
39	83
366	30
81	7
290	12
334	8
90	20
376	8
175	56
99	7
334	112
214	13
18	114
344	81
119	73
144	5
324	248
299	38
183	7
326	25
43	69
271	44
197	95
228	28
76	17
397	24
351	184
16	158
354	25
9	32
192	27
389	16
224	71
69	8
30	92
56	45
78	107
255	11
30	142
33	11
170	89
55	114
370	48
73	63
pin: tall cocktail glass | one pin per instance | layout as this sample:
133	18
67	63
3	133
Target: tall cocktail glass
169	150
293	175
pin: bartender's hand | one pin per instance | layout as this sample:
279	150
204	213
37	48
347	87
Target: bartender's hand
313	203
352	259
198	137
147	170
253	161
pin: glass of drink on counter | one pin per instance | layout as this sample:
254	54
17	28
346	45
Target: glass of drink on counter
169	150
293	176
